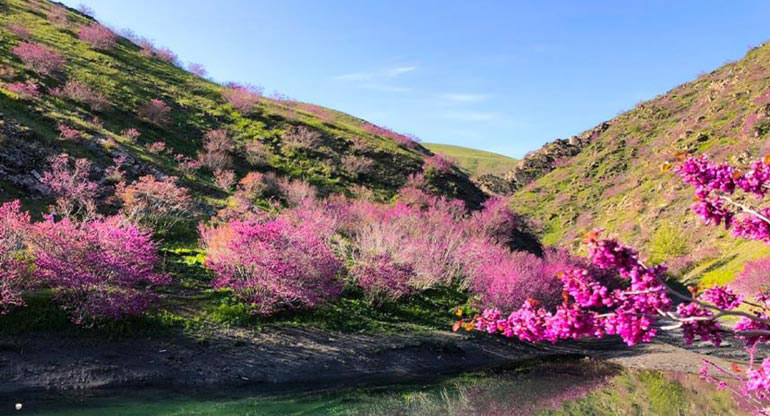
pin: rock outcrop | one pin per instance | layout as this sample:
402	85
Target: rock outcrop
547	158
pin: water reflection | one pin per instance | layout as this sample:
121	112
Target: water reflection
562	387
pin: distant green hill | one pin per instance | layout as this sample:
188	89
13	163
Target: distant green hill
475	162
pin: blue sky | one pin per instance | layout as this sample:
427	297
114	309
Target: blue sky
505	76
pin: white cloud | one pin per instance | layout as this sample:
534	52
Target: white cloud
466	98
383	73
385	87
470	116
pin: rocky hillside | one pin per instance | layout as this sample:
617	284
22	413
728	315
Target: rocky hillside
611	176
96	95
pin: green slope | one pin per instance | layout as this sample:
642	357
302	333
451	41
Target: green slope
616	182
130	79
475	162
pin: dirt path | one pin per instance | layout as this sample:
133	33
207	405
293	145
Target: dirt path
286	359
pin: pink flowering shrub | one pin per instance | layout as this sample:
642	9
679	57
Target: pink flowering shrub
217	150
497	222
272	265
57	15
300	137
69	182
382	279
39	58
14	271
439	163
296	192
97	36
754	280
256	153
197	69
27	90
19	30
100	269
82	93
357	166
68	133
156	147
156	204
155	111
225	179
186	164
243	98
131	134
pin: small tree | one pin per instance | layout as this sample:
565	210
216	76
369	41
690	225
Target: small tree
97	36
155	111
272	265
224	179
27	90
197	69
82	93
14	272
243	98
217	149
157	204
301	137
100	269
75	193
39	58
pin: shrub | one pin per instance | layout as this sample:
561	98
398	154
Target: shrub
224	179
82	93
155	111
14	272
39	58
167	55
19	30
100	269
297	192
131	134
97	36
156	204
68	133
217	149
243	98
754	280
439	163
300	137
83	8
58	15
26	90
75	193
505	279
357	166
425	240
186	164
256	153
497	222
197	69
382	279
156	147
272	265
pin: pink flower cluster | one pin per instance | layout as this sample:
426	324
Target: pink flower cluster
97	36
274	264
27	89
39	58
715	183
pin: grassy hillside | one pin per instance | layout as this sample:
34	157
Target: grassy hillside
475	162
332	151
616	181
349	151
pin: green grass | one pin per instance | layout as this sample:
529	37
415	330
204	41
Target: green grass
473	161
616	182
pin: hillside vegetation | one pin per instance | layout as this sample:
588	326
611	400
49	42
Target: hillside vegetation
618	178
89	101
136	193
473	161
